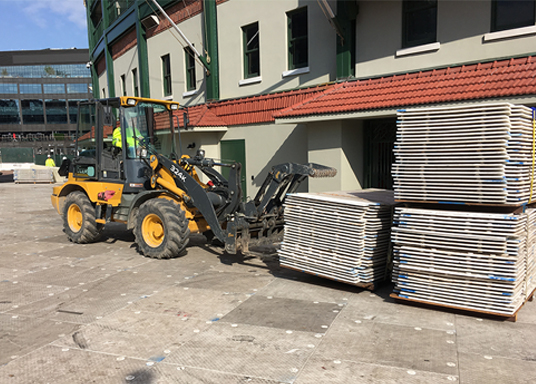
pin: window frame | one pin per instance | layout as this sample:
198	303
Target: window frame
166	75
135	86
291	40
189	66
123	80
248	53
407	12
494	27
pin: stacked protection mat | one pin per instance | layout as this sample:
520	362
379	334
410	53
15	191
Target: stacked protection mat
477	261
478	258
342	236
464	154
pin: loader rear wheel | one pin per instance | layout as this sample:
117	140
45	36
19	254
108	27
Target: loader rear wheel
79	219
161	229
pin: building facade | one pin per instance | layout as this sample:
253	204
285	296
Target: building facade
263	65
39	91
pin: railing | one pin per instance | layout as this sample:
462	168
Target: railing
36	137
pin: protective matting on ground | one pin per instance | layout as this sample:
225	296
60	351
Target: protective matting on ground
475	261
342	236
479	154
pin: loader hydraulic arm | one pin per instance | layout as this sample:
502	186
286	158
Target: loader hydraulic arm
195	193
283	179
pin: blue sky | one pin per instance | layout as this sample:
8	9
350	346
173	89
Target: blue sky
41	24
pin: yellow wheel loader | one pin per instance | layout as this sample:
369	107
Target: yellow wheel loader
124	173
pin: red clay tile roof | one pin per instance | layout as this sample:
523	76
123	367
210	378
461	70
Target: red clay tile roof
261	109
250	110
200	116
505	78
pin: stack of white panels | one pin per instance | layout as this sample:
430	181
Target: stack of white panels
475	154
475	261
342	236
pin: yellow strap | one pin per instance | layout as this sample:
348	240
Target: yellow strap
533	152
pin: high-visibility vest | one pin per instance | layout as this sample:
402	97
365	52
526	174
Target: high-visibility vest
50	162
131	141
116	138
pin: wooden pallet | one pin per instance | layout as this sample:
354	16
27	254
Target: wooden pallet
463	310
368	286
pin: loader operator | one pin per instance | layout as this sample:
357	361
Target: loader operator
132	141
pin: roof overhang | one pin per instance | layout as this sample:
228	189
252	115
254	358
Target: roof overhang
528	100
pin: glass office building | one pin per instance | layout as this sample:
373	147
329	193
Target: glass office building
39	91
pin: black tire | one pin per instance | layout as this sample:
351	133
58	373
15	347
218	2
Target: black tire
161	229
79	219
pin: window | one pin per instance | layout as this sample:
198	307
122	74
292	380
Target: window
73	111
166	75
77	88
8	88
54	88
135	82
510	14
30	88
124	85
419	22
190	69
250	36
45	71
9	111
298	55
56	111
32	111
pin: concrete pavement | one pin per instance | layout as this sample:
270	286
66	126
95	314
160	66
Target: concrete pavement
102	313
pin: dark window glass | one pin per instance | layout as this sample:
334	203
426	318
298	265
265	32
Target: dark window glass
166	75
509	14
73	111
135	82
30	88
124	84
85	131
190	69
250	35
298	55
8	88
56	111
9	111
419	23
32	111
54	88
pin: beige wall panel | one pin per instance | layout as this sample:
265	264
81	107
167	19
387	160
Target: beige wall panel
103	83
272	19
124	66
170	42
269	145
325	148
352	166
208	141
461	27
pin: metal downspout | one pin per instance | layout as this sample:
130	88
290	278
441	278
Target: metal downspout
211	44
143	58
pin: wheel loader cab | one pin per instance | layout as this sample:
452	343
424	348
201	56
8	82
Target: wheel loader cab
112	140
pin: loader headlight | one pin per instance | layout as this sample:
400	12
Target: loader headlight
174	107
131	102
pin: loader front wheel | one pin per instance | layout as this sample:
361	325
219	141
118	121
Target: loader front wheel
79	219
161	229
